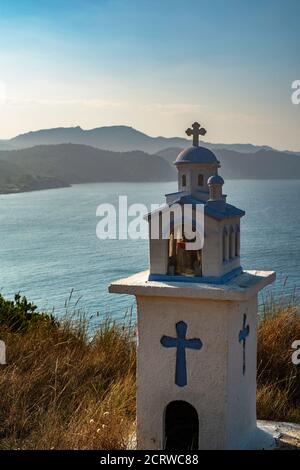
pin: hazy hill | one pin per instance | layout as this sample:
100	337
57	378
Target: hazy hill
15	178
115	138
9	170
47	166
264	164
81	164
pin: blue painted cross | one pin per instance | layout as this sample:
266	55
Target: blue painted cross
181	343
242	337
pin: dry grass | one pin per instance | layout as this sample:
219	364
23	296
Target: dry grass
278	394
62	391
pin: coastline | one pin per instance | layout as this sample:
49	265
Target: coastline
33	184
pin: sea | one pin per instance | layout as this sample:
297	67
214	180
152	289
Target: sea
49	250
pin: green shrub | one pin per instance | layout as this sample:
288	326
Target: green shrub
19	315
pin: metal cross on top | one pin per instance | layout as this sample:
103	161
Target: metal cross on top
181	343
195	131
242	337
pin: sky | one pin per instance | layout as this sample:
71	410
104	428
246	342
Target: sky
156	65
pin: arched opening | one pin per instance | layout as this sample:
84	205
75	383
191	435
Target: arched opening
200	180
181	426
183	262
231	243
183	180
225	245
237	241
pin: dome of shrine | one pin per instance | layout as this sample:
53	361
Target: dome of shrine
199	155
215	179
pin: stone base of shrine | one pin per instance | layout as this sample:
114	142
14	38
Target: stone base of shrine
214	407
271	435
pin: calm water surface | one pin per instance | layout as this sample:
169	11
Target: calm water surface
48	243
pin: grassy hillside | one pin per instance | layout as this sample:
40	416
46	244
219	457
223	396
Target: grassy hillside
60	390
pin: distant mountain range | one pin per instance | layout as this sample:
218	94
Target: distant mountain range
115	138
61	157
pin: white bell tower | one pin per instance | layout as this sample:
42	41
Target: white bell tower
197	324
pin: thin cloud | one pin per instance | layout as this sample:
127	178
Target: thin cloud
174	108
94	103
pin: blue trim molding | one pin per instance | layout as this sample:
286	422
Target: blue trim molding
196	279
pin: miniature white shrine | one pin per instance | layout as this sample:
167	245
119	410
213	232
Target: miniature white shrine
197	323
